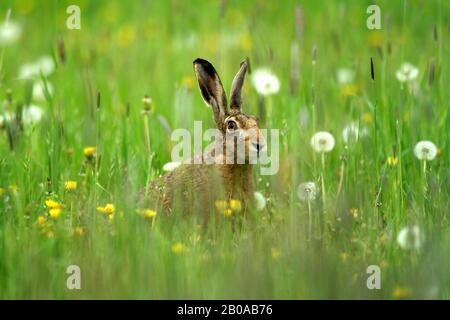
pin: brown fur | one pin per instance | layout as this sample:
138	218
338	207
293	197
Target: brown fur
195	187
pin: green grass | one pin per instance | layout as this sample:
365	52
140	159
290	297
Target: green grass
125	52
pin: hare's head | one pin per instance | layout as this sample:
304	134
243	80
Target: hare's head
238	129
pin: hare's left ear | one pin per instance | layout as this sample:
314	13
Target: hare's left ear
211	88
236	87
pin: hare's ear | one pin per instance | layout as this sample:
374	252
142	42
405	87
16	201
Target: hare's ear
211	88
236	87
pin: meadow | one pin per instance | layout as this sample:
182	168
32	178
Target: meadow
78	142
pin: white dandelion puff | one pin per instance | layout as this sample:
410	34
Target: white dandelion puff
44	65
265	82
352	133
410	238
322	141
10	33
307	191
31	115
39	90
345	76
425	150
407	72
4	118
260	200
170	166
28	71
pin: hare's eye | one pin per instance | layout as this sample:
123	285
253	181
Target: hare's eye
231	125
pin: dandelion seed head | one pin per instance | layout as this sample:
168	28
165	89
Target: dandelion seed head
345	76
322	141
410	238
46	65
352	133
32	70
260	201
307	191
39	90
407	72
265	82
10	32
32	115
425	150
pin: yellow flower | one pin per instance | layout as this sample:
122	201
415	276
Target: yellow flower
344	256
178	248
111	217
392	161
245	41
2	191
41	221
227	208
150	214
188	82
235	205
89	152
70	185
13	189
367	118
54	213
126	35
354	213
221	205
228	212
52	204
107	209
25	7
349	90
110	13
79	231
384	238
375	38
275	253
401	292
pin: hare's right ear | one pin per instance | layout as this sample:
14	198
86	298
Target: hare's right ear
211	88
236	87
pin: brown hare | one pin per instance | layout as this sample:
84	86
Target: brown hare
195	186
